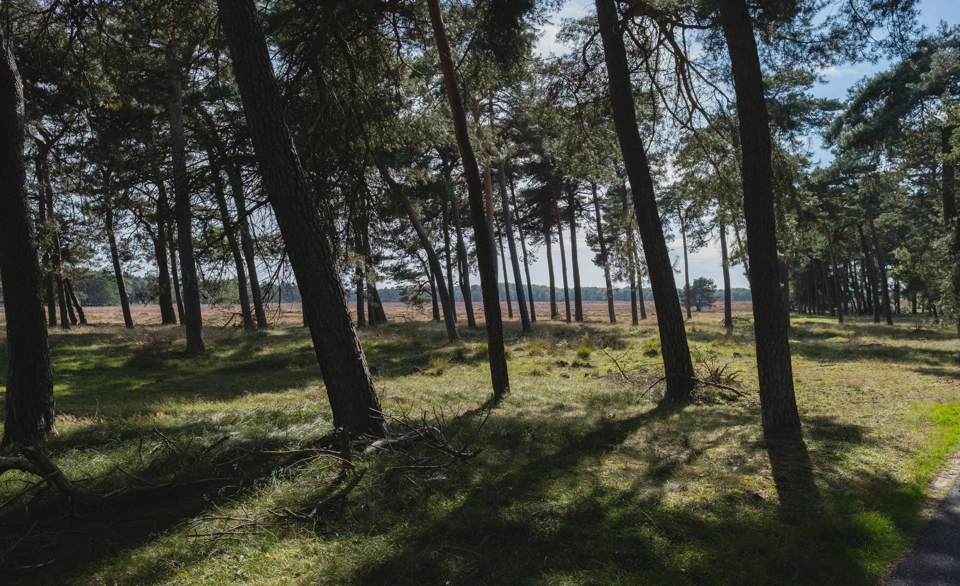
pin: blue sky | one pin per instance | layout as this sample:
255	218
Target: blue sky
837	81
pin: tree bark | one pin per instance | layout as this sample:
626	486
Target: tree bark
783	267
434	261
554	310
778	402
827	294
725	263
882	262
575	264
871	273
46	274
246	244
483	229
350	390
686	261
841	302
506	280
193	319
563	256
463	266
678	366
29	385
115	254
448	258
175	275
358	277
604	258
56	256
167	314
949	173
512	245
526	257
76	302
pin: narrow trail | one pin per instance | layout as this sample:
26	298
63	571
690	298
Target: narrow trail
935	557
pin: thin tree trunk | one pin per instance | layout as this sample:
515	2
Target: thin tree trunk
167	313
882	262
634	318
46	273
76	302
66	296
56	258
358	278
686	261
448	257
783	268
506	281
350	390
29	399
228	229
512	245
432	278
554	310
563	257
115	257
678	366
485	244
725	263
463	267
526	258
841	303
827	294
175	272
193	318
871	276
604	258
434	261
246	243
949	197
575	264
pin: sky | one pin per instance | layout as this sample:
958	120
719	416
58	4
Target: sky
706	262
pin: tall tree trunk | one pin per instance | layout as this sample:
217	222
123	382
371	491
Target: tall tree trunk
358	278
871	272
634	318
547	238
575	264
56	257
686	261
228	229
485	245
375	313
948	190
778	403
246	243
175	272
725	263
604	258
432	278
434	261
463	267
350	390
512	245
167	314
841	303
677	364
882	262
827	294
46	274
29	384
193	318
66	295
526	257
563	256
76	302
115	256
448	257
783	268
506	280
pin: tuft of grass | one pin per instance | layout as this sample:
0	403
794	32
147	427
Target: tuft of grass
584	352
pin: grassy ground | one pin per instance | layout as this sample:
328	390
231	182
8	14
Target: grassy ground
578	483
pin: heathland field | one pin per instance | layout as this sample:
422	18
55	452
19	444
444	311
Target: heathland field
576	478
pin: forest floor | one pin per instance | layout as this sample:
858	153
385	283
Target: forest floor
580	481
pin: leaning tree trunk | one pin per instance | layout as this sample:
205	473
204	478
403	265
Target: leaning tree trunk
175	275
512	245
678	366
181	194
436	269
75	302
29	385
350	390
725	263
246	243
563	257
115	257
482	228
604	259
506	280
778	403
463	266
167	315
228	229
574	262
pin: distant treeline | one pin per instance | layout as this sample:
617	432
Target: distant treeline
100	288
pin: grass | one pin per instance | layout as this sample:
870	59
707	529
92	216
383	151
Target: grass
578	483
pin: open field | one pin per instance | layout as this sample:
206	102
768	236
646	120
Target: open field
580	480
